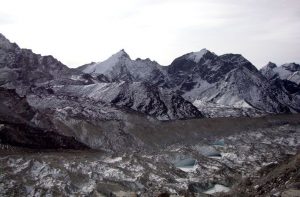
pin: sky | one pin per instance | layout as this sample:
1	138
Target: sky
81	31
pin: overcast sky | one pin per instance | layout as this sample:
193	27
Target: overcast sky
80	31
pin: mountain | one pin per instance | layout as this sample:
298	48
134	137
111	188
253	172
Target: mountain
227	85
21	69
119	67
290	72
203	65
284	77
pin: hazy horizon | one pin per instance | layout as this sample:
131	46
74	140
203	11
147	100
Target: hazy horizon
79	32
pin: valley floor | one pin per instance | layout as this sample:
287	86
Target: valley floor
252	162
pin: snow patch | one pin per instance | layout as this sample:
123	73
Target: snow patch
188	168
196	56
113	160
102	67
216	189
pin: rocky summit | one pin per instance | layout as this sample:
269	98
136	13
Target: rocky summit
205	125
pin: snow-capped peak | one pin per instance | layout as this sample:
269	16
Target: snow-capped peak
117	56
102	67
121	53
196	56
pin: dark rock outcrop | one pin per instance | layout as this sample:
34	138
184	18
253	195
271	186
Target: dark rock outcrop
17	129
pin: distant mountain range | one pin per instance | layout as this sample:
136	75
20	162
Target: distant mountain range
195	85
226	85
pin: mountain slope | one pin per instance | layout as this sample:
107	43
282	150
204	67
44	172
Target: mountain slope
16	127
138	96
